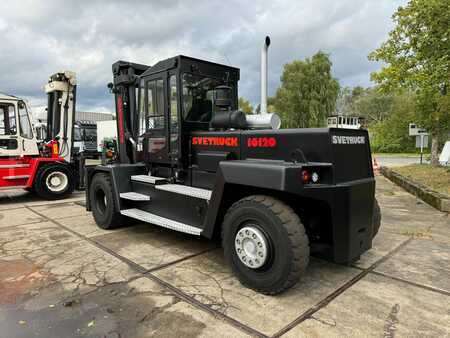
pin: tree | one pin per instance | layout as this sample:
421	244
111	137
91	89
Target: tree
245	105
389	133
374	105
308	92
417	57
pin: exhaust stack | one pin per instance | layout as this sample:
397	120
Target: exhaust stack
264	75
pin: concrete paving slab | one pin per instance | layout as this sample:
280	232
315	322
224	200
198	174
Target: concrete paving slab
86	226
18	216
377	306
38	255
403	213
209	280
383	244
138	308
24	240
57	211
16	198
152	246
421	261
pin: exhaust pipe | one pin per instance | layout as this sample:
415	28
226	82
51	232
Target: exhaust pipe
264	75
264	120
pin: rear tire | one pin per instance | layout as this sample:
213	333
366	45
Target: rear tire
103	203
54	181
376	218
265	243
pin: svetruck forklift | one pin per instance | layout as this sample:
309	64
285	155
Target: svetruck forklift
190	161
47	167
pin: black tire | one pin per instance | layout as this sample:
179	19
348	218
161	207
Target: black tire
43	186
376	218
102	201
288	254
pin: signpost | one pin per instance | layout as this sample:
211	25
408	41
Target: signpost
421	138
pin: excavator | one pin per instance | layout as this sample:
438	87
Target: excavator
46	167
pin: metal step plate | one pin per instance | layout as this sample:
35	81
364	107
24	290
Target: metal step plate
161	221
147	179
186	190
134	196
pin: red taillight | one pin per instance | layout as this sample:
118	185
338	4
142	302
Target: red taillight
306	176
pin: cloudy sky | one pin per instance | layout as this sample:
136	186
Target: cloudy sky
41	37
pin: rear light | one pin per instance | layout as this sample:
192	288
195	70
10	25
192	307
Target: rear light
306	176
309	176
315	177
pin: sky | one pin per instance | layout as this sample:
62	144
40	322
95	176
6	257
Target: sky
40	38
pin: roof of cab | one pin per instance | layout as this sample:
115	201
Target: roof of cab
172	62
6	97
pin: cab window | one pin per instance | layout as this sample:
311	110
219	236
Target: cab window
7	120
141	108
25	125
198	97
155	104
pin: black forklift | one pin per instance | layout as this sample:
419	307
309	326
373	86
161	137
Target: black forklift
190	161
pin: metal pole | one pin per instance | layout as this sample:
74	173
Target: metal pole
421	148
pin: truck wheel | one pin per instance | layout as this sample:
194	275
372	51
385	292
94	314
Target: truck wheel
376	218
103	204
54	181
265	244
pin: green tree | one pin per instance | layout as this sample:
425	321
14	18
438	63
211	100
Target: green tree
308	92
374	105
417	56
245	105
389	131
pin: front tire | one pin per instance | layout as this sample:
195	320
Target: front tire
54	181
265	243
102	201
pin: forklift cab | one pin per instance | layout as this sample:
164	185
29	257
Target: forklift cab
177	96
16	130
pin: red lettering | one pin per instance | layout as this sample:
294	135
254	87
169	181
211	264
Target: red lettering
261	142
272	142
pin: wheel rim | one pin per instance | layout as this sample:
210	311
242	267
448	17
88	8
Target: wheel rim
57	181
251	247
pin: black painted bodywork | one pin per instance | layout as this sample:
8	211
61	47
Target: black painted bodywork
336	211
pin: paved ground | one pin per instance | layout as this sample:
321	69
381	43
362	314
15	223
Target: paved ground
61	276
393	161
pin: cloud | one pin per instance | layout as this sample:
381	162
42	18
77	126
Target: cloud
41	37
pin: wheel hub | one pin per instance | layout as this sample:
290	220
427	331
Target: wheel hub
56	181
251	247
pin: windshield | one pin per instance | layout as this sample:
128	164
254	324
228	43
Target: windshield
198	97
90	135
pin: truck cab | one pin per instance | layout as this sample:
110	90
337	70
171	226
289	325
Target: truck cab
16	130
85	138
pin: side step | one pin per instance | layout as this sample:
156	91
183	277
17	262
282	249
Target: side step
161	221
148	179
134	196
16	177
186	190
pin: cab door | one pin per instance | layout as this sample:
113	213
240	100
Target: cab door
156	144
9	140
27	138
